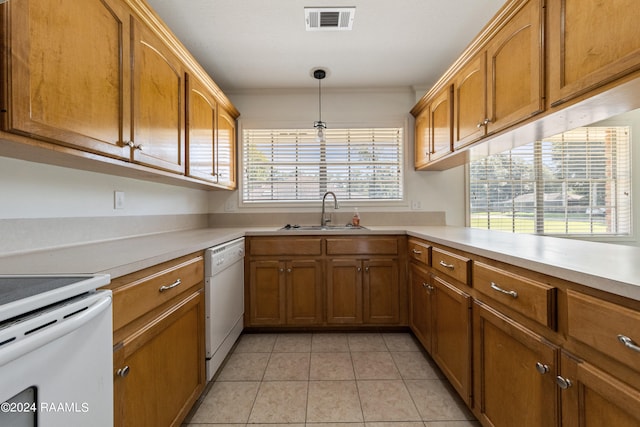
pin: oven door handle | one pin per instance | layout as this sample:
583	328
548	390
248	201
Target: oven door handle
51	333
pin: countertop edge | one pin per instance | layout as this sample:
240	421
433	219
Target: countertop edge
607	267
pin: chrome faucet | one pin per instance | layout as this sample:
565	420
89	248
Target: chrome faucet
323	219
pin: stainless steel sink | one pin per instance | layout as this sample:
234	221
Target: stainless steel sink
347	227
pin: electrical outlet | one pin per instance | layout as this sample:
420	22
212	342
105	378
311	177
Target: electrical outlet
230	205
416	205
118	199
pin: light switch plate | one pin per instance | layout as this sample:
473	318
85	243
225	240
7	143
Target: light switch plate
118	199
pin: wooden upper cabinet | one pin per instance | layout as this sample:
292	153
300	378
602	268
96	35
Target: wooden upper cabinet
440	115
226	144
422	140
202	113
470	101
157	131
515	68
67	85
591	43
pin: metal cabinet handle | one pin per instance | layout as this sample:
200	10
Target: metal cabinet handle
417	252
171	286
424	285
563	383
133	145
495	287
629	343
282	270
288	270
542	368
123	372
483	123
445	265
359	269
366	269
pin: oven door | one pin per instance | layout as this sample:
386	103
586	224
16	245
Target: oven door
56	365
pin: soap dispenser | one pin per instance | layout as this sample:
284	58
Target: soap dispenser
355	221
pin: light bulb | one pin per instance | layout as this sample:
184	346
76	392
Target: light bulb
320	135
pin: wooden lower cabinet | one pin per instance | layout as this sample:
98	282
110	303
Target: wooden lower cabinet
160	368
363	291
303	284
344	291
591	397
441	320
325	281
285	292
515	372
451	337
420	307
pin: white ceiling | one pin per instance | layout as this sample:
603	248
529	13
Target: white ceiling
262	44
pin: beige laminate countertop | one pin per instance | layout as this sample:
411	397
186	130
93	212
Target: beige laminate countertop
607	267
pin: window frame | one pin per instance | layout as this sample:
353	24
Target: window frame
604	237
302	204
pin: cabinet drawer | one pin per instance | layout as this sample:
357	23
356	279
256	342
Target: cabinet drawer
286	246
534	299
605	326
455	266
363	246
419	251
141	293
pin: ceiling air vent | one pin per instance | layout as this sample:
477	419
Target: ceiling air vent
329	18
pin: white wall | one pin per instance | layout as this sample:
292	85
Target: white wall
34	190
436	191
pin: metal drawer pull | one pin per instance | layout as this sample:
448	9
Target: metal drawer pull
417	252
171	286
495	287
123	372
563	383
445	265
628	342
542	368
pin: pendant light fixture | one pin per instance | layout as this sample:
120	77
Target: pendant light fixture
319	125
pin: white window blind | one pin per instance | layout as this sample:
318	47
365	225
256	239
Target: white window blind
289	165
576	183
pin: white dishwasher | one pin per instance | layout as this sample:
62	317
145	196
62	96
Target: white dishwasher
224	289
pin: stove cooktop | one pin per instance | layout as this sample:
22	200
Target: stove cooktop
20	294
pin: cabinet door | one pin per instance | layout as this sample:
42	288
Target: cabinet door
65	88
422	146
510	391
580	61
420	307
166	371
266	293
381	288
452	335
515	64
470	102
591	397
226	144
304	292
157	108
441	124
202	113
344	291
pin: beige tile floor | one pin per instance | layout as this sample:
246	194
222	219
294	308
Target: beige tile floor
298	379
